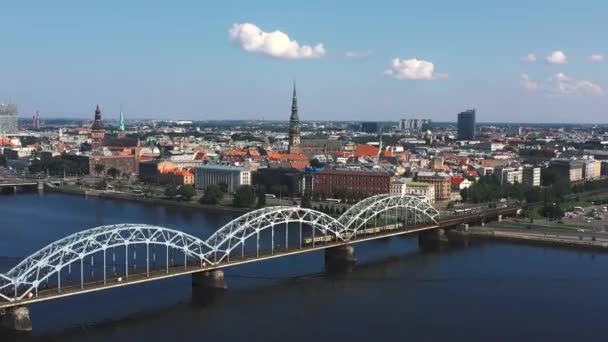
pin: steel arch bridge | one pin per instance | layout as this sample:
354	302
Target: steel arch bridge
416	210
250	237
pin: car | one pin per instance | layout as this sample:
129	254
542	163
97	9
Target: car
587	221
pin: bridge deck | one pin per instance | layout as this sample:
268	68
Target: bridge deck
157	274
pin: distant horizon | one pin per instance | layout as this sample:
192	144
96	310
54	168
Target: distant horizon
313	120
527	62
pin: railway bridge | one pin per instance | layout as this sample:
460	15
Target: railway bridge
127	254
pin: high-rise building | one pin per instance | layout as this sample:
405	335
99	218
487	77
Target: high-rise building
8	118
414	125
294	125
121	121
466	125
36	121
97	131
369	127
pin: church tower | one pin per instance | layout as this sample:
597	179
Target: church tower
97	131
294	125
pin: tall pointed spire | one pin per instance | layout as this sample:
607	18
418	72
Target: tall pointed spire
294	124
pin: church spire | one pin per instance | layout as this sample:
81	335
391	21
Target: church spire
294	106
294	124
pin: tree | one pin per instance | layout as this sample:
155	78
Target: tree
223	187
306	203
213	195
244	197
187	192
99	168
171	191
113	172
261	195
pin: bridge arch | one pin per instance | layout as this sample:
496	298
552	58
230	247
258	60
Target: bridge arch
236	232
357	216
30	273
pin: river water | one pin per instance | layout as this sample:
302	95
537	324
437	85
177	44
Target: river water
487	291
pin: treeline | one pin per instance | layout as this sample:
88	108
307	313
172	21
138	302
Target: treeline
56	166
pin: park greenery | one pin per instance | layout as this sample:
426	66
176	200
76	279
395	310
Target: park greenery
555	196
184	192
56	166
213	195
244	197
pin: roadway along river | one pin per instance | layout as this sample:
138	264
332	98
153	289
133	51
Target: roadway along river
487	291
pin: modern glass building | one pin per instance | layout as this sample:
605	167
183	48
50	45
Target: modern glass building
8	118
466	125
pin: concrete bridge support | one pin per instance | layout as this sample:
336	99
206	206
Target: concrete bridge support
208	286
340	258
209	280
432	239
16	319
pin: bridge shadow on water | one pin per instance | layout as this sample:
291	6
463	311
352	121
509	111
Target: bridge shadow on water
313	290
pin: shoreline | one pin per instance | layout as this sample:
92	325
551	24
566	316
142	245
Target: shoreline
553	241
145	200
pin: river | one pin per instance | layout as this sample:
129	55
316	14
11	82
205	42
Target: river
487	291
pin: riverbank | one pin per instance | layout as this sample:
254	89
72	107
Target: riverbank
142	199
584	240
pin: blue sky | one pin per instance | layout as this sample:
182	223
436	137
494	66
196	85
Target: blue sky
177	59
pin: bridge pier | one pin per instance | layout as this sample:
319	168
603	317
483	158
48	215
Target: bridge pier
340	258
16	319
209	280
432	239
208	286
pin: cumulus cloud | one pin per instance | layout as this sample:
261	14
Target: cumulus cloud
529	58
358	54
557	57
561	84
595	58
566	85
527	83
412	69
276	43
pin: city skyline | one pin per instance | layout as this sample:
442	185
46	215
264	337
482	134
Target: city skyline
519	64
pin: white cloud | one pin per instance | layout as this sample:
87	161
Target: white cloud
412	69
529	58
276	44
566	85
595	58
358	54
557	57
561	84
527	83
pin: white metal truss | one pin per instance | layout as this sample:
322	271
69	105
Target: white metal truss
358	215
236	232
25	278
50	260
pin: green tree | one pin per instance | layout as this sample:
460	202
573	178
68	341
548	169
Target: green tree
99	168
113	172
187	192
260	192
223	187
244	197
213	195
171	191
306	203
